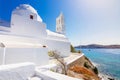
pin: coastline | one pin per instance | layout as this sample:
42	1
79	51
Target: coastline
102	75
105	77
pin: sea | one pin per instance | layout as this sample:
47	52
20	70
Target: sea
107	60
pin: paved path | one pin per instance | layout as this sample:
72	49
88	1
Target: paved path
73	57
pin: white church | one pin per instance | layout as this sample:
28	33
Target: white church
28	40
25	43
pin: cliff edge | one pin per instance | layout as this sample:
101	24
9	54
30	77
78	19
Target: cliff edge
82	68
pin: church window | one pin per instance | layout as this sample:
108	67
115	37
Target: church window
31	16
44	46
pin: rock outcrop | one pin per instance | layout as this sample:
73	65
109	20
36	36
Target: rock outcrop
83	68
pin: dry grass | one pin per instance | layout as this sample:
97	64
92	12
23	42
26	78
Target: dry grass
82	72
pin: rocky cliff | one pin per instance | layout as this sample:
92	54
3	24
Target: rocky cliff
83	68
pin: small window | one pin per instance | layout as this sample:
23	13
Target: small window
44	46
31	16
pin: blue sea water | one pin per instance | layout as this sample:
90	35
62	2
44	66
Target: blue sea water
108	60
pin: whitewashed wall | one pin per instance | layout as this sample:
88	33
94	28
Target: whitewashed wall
22	25
1	55
6	39
57	38
21	71
38	56
61	46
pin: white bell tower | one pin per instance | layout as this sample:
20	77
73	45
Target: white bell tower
60	26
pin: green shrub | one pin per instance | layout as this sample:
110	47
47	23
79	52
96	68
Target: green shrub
72	49
51	53
79	51
52	70
95	70
86	65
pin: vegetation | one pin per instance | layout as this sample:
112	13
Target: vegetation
73	50
79	51
86	58
51	53
52	70
86	65
86	73
56	56
95	70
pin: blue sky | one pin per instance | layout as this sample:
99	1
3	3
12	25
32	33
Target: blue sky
87	21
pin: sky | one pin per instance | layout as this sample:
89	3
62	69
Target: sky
86	21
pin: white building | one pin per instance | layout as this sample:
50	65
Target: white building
27	38
60	25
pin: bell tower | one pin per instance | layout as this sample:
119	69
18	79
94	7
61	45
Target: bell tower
60	26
